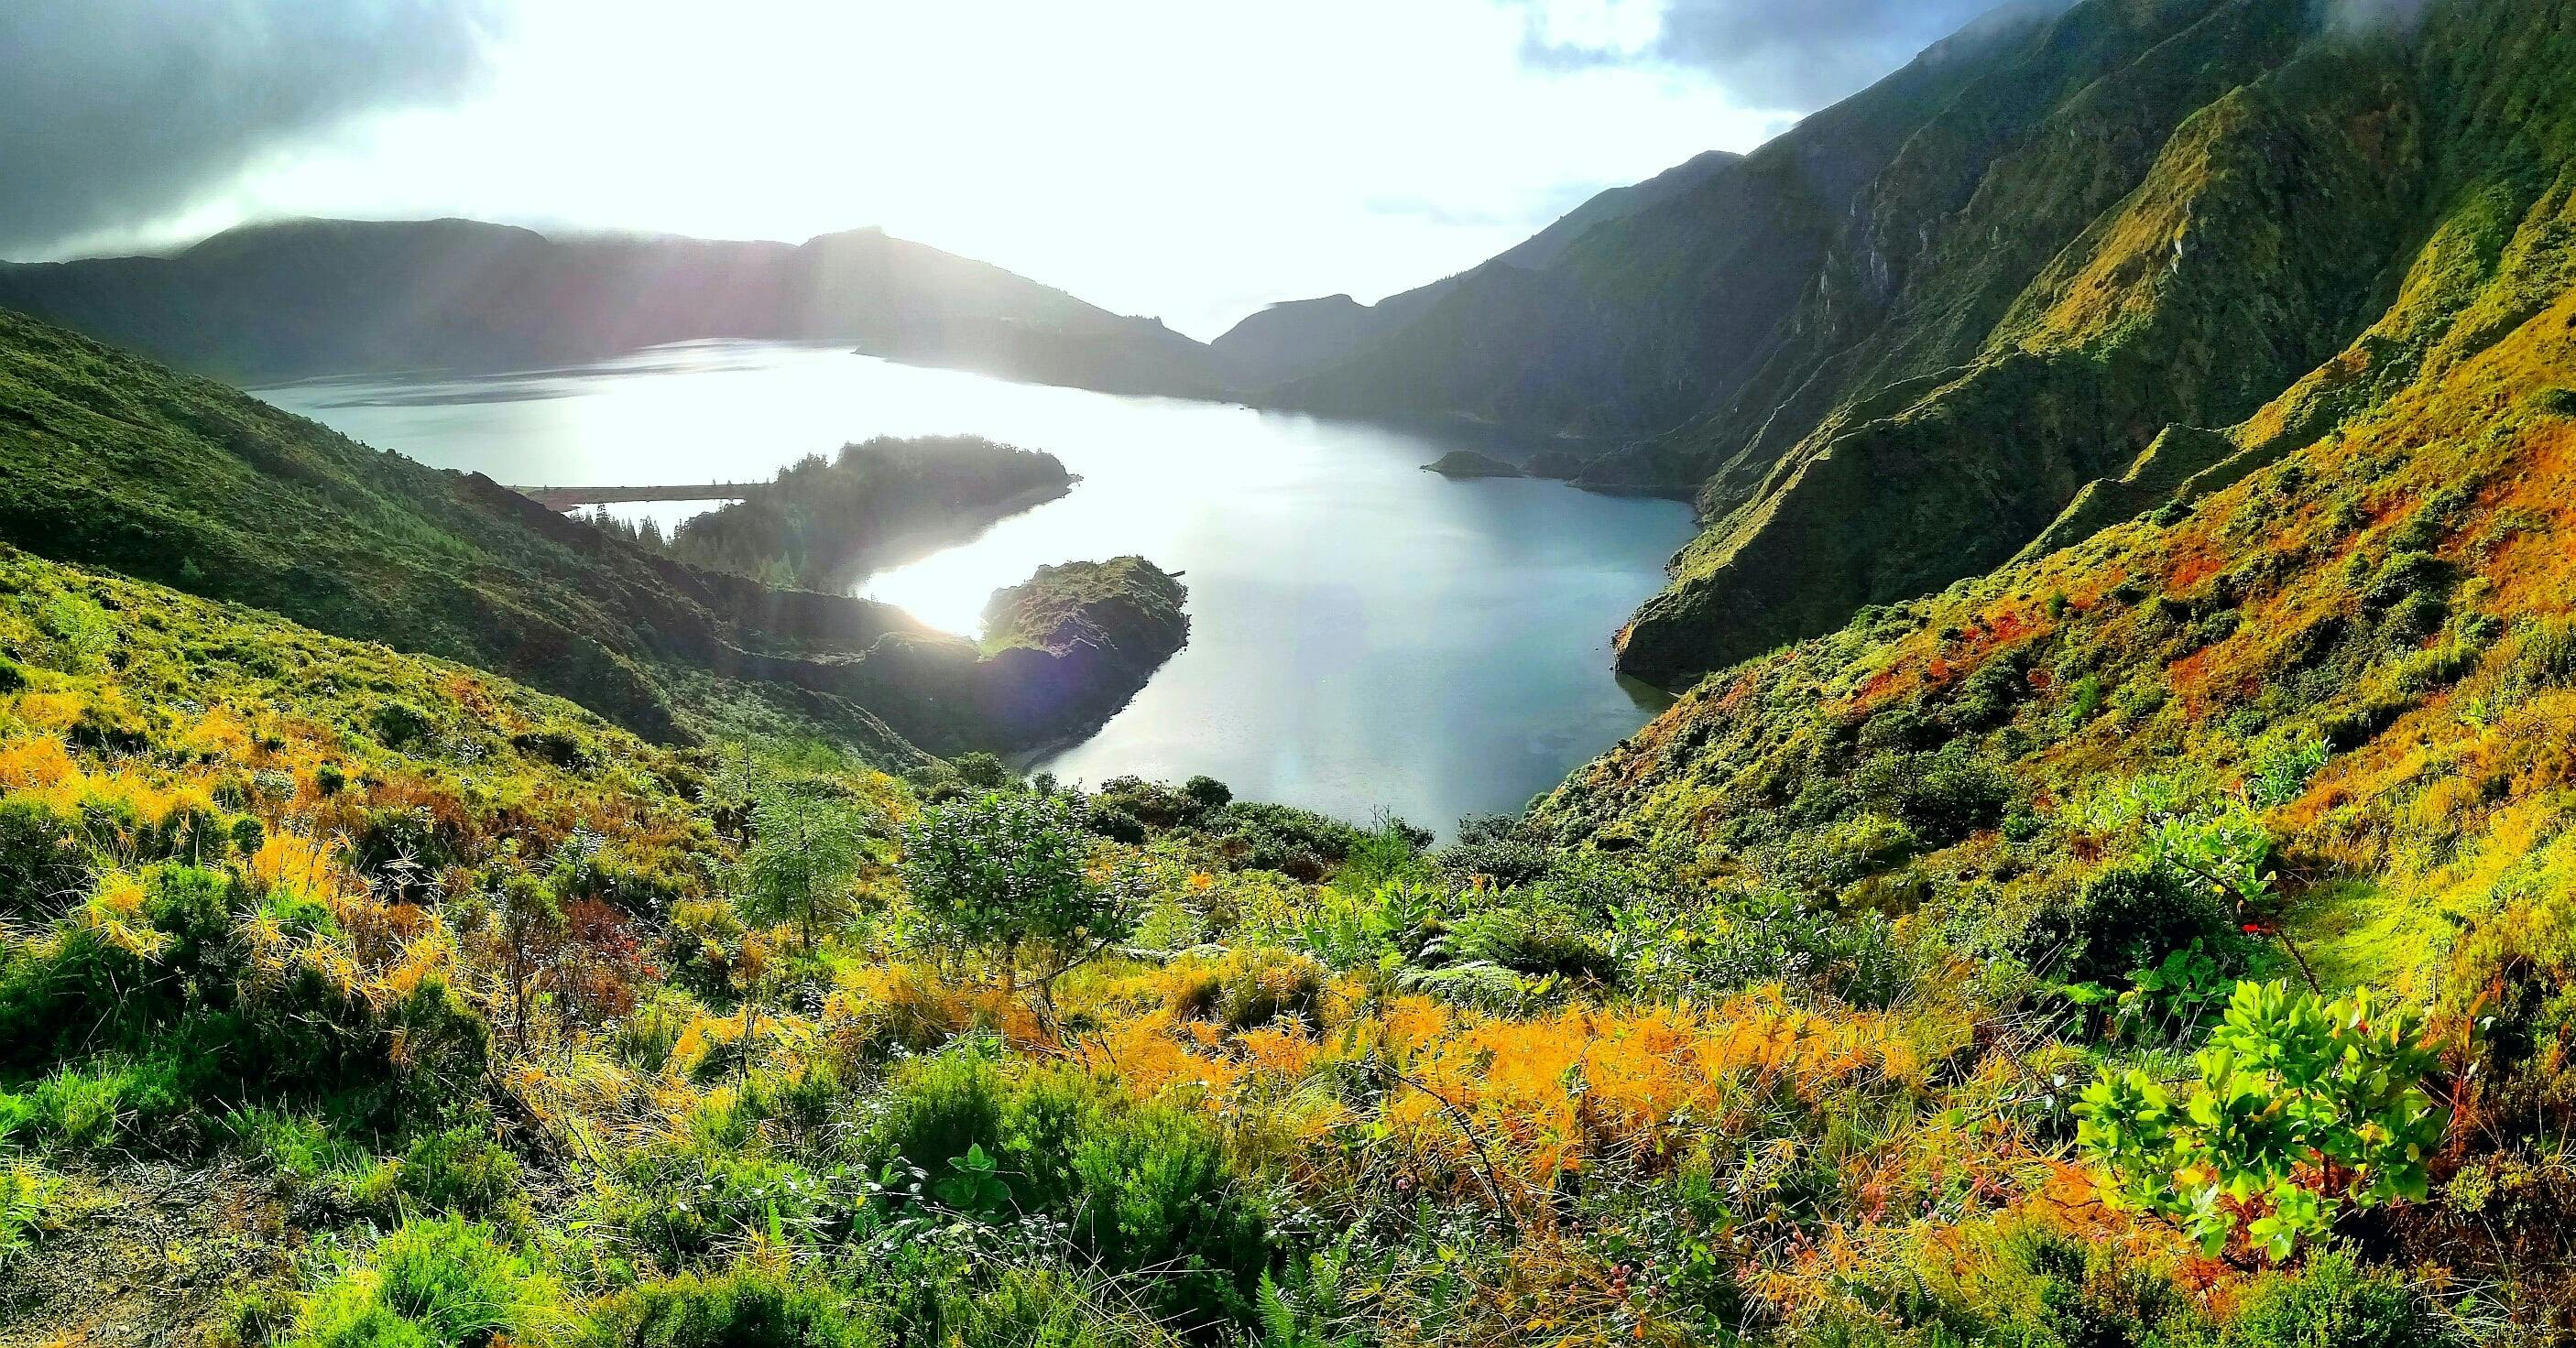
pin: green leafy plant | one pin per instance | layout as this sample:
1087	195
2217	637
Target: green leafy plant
974	1182
2304	1109
2282	767
807	842
1007	871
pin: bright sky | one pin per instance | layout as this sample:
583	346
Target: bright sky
1192	159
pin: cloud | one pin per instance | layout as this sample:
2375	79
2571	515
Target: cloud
117	112
2357	18
1794	54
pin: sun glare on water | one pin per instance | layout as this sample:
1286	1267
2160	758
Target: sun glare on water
947	591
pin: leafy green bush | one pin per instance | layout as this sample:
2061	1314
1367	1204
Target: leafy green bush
42	865
1142	1189
807	840
1297	843
441	1283
1210	793
1004	871
744	1307
1503	846
2407	574
1944	796
1530	931
2334	1300
2129	918
2303	1108
398	724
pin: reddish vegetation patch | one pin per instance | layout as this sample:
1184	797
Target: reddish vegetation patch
2191	570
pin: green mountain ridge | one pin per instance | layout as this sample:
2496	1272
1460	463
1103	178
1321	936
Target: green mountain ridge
1892	347
320	297
1292	340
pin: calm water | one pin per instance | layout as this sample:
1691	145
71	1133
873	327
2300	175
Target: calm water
1365	635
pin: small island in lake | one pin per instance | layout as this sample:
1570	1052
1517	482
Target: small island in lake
1062	652
824	523
1467	463
1074	643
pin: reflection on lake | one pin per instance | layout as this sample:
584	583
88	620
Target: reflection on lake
1365	635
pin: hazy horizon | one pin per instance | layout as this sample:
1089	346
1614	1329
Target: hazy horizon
1150	156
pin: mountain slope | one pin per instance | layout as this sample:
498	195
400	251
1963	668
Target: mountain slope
2399	593
1892	347
1302	337
338	296
2277	224
109	461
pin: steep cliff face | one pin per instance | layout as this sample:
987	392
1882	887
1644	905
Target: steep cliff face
2251	252
2394	590
1891	348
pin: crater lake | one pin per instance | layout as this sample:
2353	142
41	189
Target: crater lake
1366	636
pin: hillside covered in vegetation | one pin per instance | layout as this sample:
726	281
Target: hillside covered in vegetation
2159	937
2072	252
112	461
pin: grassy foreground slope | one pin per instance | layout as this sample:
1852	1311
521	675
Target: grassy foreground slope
109	460
350	997
356	998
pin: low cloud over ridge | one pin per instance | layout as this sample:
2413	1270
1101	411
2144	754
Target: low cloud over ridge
1797	56
114	111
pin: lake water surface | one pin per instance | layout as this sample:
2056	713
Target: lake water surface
1365	636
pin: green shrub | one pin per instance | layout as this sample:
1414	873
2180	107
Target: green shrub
983	771
2407	574
2302	1108
444	1283
399	724
2334	1301
1006	870
744	1307
1503	846
2129	918
1531	931
1944	796
1210	793
1154	805
1300	844
1114	824
42	864
1143	1190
